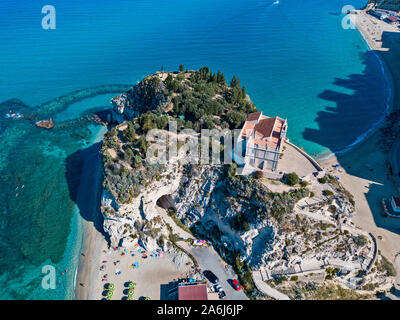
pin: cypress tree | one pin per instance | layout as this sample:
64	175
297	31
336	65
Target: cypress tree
219	76
233	82
168	80
243	92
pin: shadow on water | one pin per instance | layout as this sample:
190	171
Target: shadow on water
364	92
352	110
84	177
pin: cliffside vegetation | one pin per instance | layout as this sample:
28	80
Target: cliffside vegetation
194	99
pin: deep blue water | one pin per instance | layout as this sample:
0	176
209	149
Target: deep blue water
294	58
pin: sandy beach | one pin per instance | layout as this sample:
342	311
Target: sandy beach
365	168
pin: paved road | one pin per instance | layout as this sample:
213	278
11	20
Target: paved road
266	289
208	259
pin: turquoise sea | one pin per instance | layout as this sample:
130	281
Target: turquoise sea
294	58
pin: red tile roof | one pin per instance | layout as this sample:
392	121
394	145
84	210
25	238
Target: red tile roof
392	18
264	128
193	292
253	116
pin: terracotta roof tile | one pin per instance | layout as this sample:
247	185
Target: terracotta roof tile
253	116
193	292
267	130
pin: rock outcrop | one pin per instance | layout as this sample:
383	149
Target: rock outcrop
121	219
148	94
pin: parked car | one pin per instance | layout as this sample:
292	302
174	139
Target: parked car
221	292
211	276
236	285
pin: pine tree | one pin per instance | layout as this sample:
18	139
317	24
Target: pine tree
233	82
168	80
130	132
219	76
181	68
237	83
223	80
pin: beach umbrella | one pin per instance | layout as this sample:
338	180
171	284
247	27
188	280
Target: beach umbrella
131	285
110	294
111	286
131	292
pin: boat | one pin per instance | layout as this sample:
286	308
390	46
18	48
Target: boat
47	124
14	115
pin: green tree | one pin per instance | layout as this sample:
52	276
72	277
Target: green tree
235	119
322	180
223	80
243	92
181	68
137	161
130	132
168	80
292	179
142	145
233	82
219	78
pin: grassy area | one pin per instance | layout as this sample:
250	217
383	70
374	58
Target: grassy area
335	292
327	291
385	265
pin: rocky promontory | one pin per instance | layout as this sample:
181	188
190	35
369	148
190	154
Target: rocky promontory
253	223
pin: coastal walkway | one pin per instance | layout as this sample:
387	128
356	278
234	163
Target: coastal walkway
266	289
296	160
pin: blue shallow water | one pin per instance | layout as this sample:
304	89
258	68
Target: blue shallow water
294	58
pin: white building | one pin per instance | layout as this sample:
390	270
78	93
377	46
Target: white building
261	140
